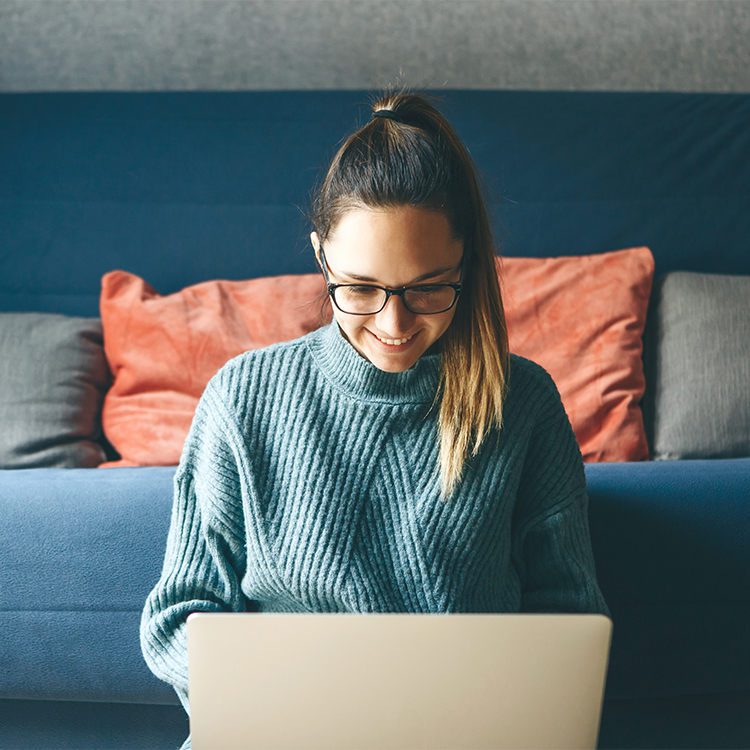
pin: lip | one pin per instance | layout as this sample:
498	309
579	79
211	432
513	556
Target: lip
391	348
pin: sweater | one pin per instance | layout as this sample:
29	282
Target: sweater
309	482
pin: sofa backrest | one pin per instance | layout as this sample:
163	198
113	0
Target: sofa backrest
184	187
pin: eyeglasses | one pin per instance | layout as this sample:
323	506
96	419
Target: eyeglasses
370	299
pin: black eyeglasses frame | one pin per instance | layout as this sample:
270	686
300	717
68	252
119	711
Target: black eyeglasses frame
400	292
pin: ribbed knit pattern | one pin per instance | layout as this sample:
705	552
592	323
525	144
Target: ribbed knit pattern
309	482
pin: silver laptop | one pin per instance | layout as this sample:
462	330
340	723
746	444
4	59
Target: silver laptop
388	681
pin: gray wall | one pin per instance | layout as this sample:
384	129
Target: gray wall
617	45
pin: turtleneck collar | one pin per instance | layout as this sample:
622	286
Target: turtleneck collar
350	372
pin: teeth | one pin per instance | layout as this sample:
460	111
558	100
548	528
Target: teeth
394	342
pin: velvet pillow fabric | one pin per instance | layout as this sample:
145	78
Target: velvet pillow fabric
701	331
581	318
53	375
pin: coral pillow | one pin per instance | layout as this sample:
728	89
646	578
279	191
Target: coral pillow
163	350
581	318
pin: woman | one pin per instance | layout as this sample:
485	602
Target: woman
398	460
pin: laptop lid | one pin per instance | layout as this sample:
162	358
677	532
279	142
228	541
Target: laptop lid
388	681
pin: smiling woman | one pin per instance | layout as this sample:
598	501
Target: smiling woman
392	325
398	460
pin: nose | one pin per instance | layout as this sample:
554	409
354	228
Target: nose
394	318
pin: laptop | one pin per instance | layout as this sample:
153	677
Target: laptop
396	681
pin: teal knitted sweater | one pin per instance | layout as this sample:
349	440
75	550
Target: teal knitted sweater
309	482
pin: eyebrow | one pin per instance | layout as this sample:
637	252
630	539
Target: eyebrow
424	277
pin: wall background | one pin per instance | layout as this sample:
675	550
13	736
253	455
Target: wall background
140	45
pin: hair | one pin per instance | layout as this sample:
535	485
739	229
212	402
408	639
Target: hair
413	157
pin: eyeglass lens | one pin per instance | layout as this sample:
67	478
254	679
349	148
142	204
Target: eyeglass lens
367	300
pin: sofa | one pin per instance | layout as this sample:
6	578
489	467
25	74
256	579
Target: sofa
173	190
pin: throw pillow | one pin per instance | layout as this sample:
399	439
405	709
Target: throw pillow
702	369
582	319
163	350
53	376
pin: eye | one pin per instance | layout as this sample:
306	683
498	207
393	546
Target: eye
431	289
361	291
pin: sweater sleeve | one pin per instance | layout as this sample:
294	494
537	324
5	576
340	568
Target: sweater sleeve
552	543
205	556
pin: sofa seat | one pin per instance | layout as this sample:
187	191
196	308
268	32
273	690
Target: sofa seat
84	547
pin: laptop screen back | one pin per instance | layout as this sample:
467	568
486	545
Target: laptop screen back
387	681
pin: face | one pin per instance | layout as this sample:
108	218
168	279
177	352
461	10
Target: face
393	248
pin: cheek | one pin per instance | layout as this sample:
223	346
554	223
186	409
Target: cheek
351	325
348	321
441	326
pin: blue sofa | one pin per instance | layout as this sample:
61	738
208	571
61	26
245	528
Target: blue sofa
183	187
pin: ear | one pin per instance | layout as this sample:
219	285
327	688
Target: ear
316	246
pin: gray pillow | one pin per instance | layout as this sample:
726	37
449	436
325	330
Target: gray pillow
53	375
702	366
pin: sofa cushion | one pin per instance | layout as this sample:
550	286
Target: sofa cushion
702	366
579	317
53	375
84	548
582	319
670	544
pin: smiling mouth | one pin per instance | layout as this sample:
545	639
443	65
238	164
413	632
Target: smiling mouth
393	342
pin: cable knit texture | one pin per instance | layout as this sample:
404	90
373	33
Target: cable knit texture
310	482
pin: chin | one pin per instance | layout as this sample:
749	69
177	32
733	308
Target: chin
393	367
392	364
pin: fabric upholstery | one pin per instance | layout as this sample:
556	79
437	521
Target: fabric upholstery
181	187
82	549
676	721
75	725
702	369
53	375
582	319
669	541
671	548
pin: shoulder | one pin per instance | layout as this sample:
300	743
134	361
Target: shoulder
247	388
528	370
533	406
265	365
531	383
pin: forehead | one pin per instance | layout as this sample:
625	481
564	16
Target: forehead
392	246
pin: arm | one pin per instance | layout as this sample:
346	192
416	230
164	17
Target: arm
552	544
205	556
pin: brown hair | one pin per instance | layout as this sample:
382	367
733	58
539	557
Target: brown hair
413	157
